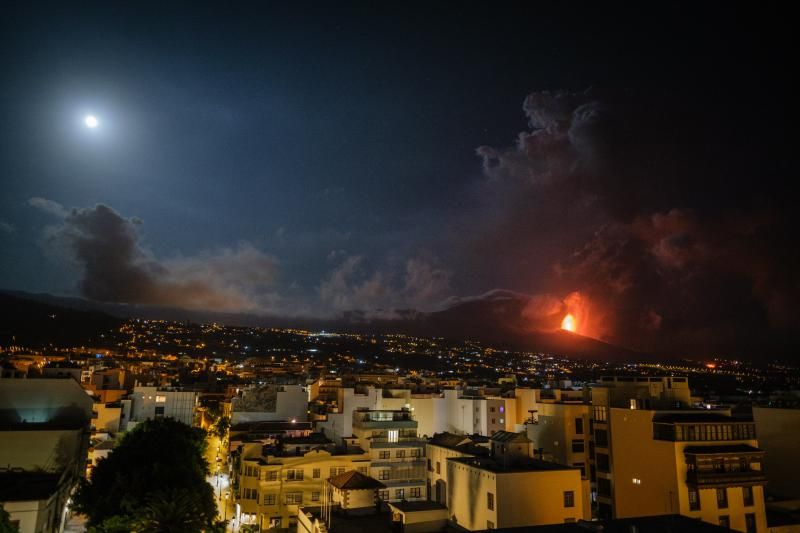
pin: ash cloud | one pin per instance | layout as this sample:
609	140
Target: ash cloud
354	286
115	267
641	213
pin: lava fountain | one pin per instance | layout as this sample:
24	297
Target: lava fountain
568	324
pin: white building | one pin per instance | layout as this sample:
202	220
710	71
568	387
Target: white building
155	402
271	403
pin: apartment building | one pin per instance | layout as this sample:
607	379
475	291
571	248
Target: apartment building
778	434
510	488
272	482
654	455
44	441
560	430
396	452
269	402
159	402
444	446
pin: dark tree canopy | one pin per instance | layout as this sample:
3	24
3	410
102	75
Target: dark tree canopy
155	478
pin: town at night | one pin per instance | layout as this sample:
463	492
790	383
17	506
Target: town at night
423	268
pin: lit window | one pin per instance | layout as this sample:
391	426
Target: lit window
637	481
394	435
161	399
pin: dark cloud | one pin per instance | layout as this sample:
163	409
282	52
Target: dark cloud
115	267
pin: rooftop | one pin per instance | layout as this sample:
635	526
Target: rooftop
644	524
512	467
695	416
354	480
424	505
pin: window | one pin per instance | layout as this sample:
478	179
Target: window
363	470
416	492
569	498
384	454
250	494
603	487
438	467
383	494
161	399
400	454
430	466
493	421
600	413
750	522
582	466
294	475
315	496
490	501
747	493
694	500
601	437
491	409
269	499
725	521
399	493
272	475
159	410
316	473
489	524
384	474
294	498
577	446
335	471
602	462
579	426
722	498
394	435
416	452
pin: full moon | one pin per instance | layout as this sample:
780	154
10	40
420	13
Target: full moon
91	121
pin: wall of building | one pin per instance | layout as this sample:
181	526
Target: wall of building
537	498
179	405
636	456
778	432
525	498
557	429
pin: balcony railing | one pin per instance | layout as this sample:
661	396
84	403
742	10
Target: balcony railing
711	479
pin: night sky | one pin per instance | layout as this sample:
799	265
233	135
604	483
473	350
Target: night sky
634	168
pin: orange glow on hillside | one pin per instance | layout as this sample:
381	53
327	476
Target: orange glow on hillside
568	324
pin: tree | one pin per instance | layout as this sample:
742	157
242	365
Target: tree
156	473
5	522
221	426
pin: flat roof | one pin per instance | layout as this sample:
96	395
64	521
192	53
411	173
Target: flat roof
649	524
410	507
493	465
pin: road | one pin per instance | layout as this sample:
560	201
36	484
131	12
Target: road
219	480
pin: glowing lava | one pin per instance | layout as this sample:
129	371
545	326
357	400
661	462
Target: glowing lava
568	324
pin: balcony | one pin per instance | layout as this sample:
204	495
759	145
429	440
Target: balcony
724	465
712	479
399	442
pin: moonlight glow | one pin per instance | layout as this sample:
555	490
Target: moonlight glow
568	324
91	121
